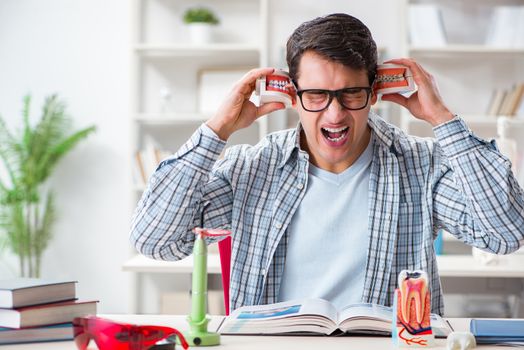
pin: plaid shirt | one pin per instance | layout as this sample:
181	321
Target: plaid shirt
457	182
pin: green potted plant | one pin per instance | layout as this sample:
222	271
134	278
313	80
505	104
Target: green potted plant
200	21
28	157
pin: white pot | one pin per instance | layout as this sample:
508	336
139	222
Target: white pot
201	33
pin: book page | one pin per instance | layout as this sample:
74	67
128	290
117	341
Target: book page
366	318
376	319
305	315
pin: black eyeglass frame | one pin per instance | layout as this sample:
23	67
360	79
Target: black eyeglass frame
336	93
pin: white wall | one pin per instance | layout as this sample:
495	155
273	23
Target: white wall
80	50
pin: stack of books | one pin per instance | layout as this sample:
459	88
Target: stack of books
38	310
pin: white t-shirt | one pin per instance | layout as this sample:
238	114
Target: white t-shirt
328	236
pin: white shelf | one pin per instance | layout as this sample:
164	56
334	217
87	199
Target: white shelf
188	50
508	266
142	264
458	50
171	118
477	119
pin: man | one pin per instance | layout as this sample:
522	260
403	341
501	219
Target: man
337	207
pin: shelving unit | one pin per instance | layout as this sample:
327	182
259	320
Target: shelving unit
466	68
166	86
464	65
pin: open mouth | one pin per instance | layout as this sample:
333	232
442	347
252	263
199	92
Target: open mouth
335	134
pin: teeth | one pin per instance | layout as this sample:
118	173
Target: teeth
278	84
336	130
336	139
413	288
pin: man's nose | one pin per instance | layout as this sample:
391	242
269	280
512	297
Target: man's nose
335	109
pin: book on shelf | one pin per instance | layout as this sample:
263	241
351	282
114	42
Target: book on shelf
56	332
506	102
317	316
146	161
46	314
18	292
505	29
425	25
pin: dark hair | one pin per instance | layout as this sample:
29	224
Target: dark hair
339	38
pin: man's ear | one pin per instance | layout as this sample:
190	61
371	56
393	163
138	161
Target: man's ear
374	98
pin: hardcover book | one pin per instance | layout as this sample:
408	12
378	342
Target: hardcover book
46	314
57	332
489	331
317	316
18	292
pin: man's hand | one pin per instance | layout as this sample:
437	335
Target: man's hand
236	111
426	103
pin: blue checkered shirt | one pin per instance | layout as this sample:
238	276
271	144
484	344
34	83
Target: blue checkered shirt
455	182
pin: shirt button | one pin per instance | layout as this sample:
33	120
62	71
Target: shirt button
300	186
153	180
262	271
278	225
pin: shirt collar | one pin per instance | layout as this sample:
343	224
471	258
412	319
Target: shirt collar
383	133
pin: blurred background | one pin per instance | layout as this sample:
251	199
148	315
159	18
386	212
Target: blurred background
147	78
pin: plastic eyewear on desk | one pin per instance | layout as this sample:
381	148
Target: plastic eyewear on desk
111	335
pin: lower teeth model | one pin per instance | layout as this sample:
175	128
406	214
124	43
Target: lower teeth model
412	300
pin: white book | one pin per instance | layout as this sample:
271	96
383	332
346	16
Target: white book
425	25
317	316
518	41
502	27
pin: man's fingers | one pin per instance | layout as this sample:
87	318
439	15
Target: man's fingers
396	98
267	108
246	85
251	76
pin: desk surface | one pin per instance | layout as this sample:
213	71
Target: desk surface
254	342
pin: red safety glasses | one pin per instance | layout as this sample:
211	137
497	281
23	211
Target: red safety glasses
111	335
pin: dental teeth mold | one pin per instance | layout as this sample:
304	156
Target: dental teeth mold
412	309
275	88
393	78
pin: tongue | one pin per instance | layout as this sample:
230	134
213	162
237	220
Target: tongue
334	135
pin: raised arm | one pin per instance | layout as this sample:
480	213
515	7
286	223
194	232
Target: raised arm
185	191
475	196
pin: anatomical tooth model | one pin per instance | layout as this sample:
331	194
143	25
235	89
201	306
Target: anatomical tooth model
412	308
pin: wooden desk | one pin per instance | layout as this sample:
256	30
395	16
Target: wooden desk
255	342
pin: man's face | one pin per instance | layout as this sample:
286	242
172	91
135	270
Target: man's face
336	136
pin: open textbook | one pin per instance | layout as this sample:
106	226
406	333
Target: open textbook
317	316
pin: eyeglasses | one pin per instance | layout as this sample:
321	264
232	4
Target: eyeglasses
316	100
111	335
